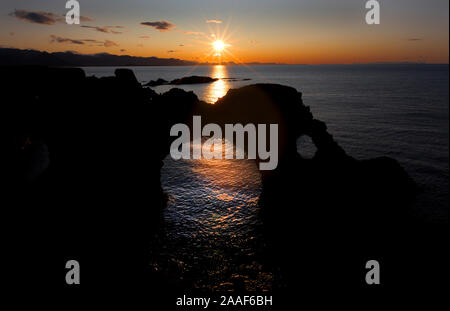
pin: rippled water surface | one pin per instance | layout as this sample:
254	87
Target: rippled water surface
211	224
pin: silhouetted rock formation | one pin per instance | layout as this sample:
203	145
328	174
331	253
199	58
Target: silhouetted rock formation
193	80
126	77
328	210
100	196
182	81
100	144
158	82
236	79
331	178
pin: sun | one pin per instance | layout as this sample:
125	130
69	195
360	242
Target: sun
219	46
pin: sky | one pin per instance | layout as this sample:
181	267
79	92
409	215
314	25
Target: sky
281	31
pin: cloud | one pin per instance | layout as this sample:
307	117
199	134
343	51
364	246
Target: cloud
213	21
90	42
145	37
171	51
105	29
85	19
44	18
109	43
159	25
194	33
100	29
66	40
415	39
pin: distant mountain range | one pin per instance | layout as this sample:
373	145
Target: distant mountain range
17	57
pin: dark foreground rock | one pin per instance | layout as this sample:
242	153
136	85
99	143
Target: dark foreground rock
96	148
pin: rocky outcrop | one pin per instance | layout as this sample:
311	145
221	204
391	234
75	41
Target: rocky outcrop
99	195
158	82
107	126
126	77
105	140
182	81
333	187
329	212
193	80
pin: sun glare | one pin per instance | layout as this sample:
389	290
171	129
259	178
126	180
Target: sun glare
219	46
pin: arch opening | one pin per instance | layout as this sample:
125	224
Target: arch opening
212	220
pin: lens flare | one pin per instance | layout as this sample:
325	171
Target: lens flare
219	46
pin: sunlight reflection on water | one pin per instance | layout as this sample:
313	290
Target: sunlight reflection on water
205	193
212	220
219	88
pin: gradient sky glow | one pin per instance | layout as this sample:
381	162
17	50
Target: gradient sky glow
284	31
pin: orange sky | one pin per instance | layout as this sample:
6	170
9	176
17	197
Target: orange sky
288	31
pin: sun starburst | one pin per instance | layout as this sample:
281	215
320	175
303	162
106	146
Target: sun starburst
219	46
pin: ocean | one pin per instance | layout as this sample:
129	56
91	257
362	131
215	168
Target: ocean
400	111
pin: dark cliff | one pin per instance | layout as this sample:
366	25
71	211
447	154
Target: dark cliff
84	157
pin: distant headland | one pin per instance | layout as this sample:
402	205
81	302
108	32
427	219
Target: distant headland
28	57
19	57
